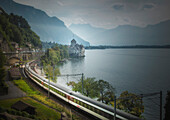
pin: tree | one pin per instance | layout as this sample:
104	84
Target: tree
52	73
167	106
16	28
130	103
90	87
106	91
55	72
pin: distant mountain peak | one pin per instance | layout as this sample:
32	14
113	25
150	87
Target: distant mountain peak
48	28
83	25
157	34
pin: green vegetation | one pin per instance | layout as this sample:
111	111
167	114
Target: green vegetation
90	87
102	90
52	73
25	87
41	98
15	28
52	57
43	112
46	45
107	92
126	46
94	89
18	113
130	103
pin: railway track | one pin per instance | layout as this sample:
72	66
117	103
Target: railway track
81	114
77	103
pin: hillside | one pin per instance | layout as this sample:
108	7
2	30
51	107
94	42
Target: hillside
48	28
157	34
14	28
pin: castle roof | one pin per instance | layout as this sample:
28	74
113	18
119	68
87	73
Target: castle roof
73	40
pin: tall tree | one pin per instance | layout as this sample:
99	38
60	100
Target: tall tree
106	91
130	103
90	87
52	73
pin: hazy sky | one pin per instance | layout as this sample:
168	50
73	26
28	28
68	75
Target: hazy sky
105	13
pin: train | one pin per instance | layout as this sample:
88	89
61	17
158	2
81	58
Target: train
95	108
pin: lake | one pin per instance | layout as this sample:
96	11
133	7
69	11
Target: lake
139	71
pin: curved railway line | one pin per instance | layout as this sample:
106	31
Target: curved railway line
95	109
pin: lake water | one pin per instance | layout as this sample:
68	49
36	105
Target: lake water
139	71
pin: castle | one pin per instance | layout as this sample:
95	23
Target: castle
76	50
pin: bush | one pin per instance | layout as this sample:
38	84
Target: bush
25	114
2	109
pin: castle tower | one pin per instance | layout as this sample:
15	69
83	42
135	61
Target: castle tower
73	42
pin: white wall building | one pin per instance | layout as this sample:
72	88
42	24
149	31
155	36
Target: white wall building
76	50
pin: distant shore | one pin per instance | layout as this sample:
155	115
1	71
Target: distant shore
134	46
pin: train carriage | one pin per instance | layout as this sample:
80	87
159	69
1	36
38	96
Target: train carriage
93	107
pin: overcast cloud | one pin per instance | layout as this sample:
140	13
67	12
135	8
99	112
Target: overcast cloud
105	13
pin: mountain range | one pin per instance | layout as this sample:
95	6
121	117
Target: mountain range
49	29
54	30
157	34
86	31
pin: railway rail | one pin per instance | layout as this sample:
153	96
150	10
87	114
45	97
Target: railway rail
92	107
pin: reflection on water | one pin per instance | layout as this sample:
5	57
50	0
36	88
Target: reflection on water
74	66
136	70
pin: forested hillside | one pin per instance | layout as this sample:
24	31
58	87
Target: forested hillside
15	28
50	29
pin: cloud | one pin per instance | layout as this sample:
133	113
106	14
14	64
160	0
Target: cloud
60	3
105	13
118	7
126	20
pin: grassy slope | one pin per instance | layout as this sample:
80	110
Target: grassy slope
42	98
43	112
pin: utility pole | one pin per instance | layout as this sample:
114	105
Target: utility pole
48	86
115	107
82	84
160	105
82	79
67	78
41	70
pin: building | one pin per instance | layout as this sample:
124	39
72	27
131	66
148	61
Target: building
14	72
22	106
76	50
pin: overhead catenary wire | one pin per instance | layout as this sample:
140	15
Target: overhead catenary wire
141	96
67	75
